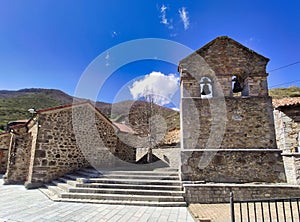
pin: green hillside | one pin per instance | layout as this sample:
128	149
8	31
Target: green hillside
279	93
16	108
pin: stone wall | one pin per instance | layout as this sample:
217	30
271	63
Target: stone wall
3	161
287	128
292	167
220	193
248	122
18	157
226	58
4	147
233	166
71	138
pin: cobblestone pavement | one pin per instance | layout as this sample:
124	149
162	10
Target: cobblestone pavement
19	204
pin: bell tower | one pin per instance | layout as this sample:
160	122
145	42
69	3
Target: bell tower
227	121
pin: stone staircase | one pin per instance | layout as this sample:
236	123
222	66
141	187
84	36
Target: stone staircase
145	188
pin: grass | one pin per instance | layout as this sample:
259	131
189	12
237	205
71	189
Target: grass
279	93
16	108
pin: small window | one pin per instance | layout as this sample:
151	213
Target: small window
206	89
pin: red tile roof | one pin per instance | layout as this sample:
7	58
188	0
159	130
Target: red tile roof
286	102
124	128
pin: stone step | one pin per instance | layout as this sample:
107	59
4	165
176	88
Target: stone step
88	174
90	170
144	188
154	173
124	202
55	190
123	197
132	181
123	191
129	186
143	177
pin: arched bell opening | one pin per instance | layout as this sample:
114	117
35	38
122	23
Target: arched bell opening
206	87
239	87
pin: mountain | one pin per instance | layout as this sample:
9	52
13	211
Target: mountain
14	105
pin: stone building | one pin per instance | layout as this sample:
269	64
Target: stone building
228	140
227	124
50	145
287	125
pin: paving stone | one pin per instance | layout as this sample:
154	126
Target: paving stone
19	204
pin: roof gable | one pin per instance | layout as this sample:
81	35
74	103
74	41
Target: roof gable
74	105
226	56
224	42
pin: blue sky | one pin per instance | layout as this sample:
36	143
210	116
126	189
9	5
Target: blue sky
49	44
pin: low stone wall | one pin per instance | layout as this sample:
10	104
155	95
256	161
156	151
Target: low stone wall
287	129
292	167
220	193
5	141
3	161
18	157
4	147
233	166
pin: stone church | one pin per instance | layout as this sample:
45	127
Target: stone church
228	139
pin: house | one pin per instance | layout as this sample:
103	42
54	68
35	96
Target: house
287	126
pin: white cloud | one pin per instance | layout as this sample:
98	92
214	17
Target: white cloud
183	13
164	19
162	86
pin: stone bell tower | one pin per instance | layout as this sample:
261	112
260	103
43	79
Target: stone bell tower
227	116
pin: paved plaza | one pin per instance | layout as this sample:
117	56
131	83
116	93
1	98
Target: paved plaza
19	204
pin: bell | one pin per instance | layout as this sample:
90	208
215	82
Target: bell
237	87
205	90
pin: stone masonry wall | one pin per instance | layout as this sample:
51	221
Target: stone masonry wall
220	193
55	153
248	123
233	166
4	147
18	157
3	162
292	167
72	138
287	128
227	58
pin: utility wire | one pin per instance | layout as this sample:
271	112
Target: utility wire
284	66
285	83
